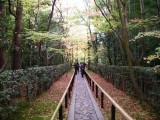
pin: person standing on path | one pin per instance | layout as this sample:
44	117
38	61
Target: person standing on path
82	67
76	67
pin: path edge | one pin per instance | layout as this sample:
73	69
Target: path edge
95	105
71	110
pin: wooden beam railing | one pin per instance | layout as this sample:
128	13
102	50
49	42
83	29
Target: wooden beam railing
114	106
66	95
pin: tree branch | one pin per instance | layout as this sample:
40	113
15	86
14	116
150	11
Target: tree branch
51	14
106	6
122	2
158	7
109	11
10	8
62	18
107	20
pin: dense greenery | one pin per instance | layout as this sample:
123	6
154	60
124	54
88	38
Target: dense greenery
35	44
36	35
27	84
148	80
142	32
126	34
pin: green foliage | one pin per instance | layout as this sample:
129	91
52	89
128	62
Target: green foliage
158	51
155	34
142	29
42	36
136	23
27	83
148	80
103	26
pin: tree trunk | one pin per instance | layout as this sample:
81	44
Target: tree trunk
48	28
144	29
17	36
95	52
2	58
142	9
51	15
158	7
39	46
126	46
2	32
89	61
36	15
72	55
129	9
123	38
109	52
123	54
115	55
109	4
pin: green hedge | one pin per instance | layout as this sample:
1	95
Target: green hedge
148	80
27	83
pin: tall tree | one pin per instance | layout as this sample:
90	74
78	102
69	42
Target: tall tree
48	28
90	40
36	14
17	36
51	15
2	33
142	9
158	7
123	17
123	38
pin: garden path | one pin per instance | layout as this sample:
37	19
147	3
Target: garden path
83	104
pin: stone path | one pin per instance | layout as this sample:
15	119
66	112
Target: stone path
83	105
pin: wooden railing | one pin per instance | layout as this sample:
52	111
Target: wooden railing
93	84
66	95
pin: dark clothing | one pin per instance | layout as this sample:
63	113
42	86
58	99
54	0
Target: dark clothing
76	67
82	72
82	67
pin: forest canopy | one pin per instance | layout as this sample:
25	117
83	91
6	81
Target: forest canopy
113	37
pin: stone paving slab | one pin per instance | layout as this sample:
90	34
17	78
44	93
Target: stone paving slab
83	105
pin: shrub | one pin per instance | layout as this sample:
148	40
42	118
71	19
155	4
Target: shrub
147	78
27	83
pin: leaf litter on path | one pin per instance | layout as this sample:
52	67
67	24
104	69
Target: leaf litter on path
44	105
130	104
